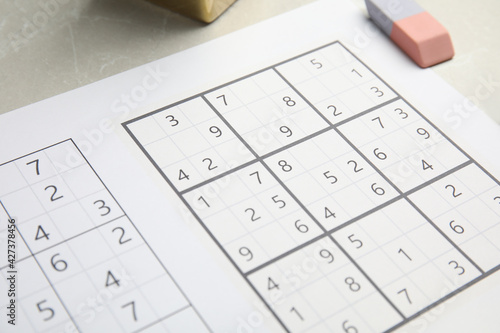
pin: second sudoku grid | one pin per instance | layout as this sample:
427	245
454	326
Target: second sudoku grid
339	202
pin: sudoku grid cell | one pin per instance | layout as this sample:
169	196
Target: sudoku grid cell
351	211
82	265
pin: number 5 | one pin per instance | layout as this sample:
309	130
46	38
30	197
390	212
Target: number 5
39	306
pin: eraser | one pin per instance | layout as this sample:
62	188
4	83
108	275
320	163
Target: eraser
414	30
203	10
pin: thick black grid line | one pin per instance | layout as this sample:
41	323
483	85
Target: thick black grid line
144	240
301	205
367	160
94	228
401	194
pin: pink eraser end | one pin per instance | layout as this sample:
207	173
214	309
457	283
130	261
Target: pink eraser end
423	39
414	30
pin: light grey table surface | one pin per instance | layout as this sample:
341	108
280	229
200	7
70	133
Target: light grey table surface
48	47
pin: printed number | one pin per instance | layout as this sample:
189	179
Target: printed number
183	175
423	132
271	284
281	203
36	166
201	198
286	130
256	173
297	313
301	227
103	206
215	130
59	265
457	266
328	213
355	166
426	165
132	305
326	255
111	280
289	102
223	98
285	166
403	252
350	328
171	119
316	63
404	291
253	218
245	252
380	155
377	91
457	227
453	191
41	309
210	166
355	240
400	112
121	240
355	71
40	233
332	178
378	190
53	197
379	121
335	111
353	285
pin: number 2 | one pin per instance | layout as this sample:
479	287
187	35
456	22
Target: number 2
355	166
120	240
210	166
453	191
53	197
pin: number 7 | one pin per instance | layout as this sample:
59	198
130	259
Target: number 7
406	293
223	98
133	309
36	166
256	173
379	121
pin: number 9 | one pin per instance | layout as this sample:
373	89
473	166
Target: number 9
245	252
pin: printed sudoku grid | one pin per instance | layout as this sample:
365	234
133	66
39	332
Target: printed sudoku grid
82	266
341	205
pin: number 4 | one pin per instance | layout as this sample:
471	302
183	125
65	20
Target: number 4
182	175
426	165
40	233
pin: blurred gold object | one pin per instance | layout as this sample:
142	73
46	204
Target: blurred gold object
203	10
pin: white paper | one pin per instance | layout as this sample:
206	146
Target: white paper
183	281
